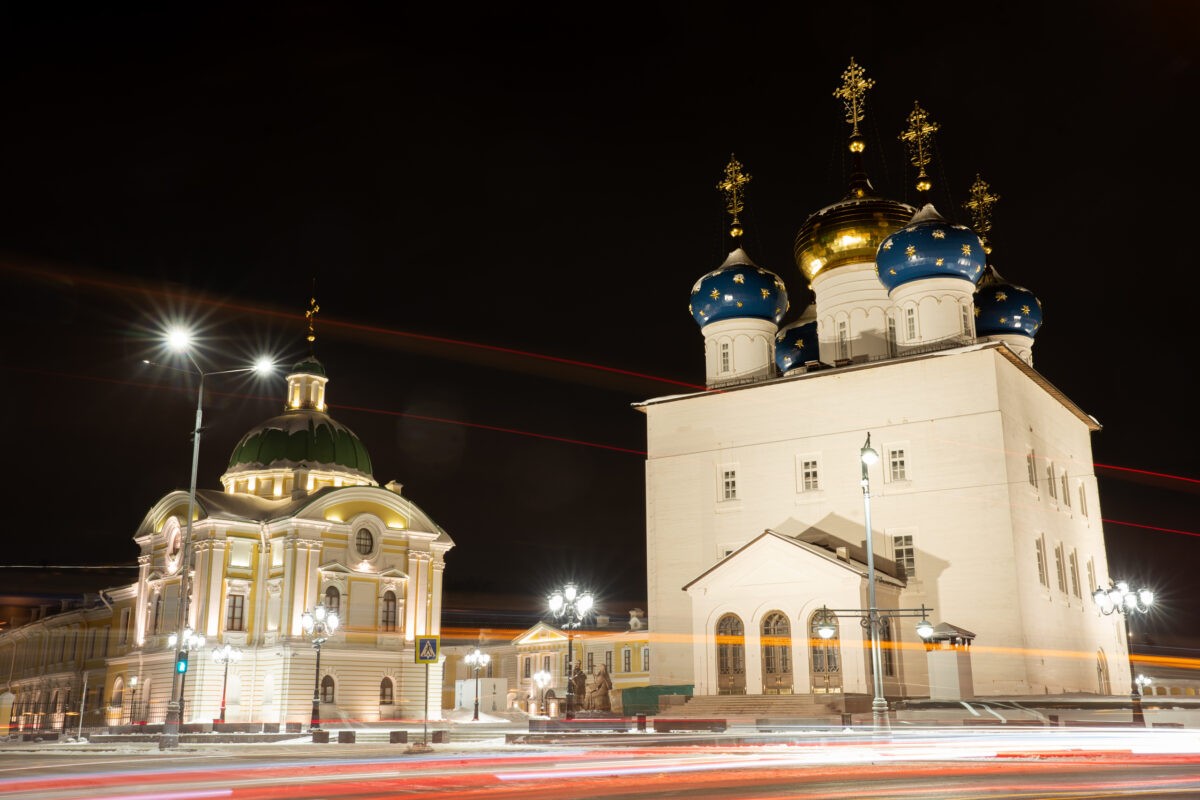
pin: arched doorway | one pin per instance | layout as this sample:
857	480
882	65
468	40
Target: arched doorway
776	654
731	655
824	655
1102	677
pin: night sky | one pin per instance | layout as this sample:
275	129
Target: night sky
490	199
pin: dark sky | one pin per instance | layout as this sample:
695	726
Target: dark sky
540	178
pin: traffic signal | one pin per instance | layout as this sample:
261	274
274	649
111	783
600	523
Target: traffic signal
181	662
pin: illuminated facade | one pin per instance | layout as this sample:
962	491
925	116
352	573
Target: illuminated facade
984	504
300	521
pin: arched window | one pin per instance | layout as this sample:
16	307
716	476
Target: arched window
731	655
118	692
333	600
364	542
389	611
1102	678
777	654
824	654
327	689
385	692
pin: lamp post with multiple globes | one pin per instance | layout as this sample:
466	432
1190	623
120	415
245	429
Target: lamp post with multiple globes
318	624
571	607
477	660
1119	598
181	341
183	645
542	679
223	655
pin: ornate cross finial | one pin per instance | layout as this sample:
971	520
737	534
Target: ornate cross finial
980	209
311	317
732	185
918	136
853	92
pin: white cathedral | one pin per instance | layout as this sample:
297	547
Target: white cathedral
983	506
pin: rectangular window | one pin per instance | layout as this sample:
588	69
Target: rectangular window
891	334
627	660
1040	545
526	666
966	321
810	479
1074	565
591	662
897	465
1082	500
608	661
1060	568
910	324
1031	468
843	339
545	663
1053	488
235	613
1066	491
729	484
724	357
645	659
124	634
158	610
905	555
1091	569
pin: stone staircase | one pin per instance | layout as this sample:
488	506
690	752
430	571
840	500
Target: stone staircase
747	708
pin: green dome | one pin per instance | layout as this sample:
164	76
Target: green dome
301	438
309	366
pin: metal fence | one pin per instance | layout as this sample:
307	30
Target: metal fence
46	718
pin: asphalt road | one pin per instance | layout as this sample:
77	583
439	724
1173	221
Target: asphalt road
948	764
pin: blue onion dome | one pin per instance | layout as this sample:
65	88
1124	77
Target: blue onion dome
738	289
796	344
851	230
930	247
1003	307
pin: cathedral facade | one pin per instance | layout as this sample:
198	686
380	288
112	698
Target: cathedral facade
981	514
300	522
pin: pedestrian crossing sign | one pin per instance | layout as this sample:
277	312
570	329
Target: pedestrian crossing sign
427	649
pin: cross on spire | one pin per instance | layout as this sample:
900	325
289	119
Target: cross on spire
853	92
919	138
732	185
980	209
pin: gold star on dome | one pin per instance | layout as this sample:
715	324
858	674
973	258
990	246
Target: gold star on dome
1001	297
1025	310
800	345
966	249
940	261
690	311
887	245
714	294
911	251
939	234
891	272
739	303
1003	320
739	278
765	293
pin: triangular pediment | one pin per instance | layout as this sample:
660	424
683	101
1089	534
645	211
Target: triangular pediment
392	572
541	633
336	566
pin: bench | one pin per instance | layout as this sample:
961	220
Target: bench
662	725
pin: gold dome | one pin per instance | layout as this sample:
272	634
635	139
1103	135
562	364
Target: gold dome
849	231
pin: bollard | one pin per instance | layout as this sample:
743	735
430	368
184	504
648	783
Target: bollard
346	737
320	737
398	737
641	723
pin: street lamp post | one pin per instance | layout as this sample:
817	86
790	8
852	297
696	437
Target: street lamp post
879	706
189	642
477	660
319	624
223	655
571	607
542	679
133	689
180	341
1118	597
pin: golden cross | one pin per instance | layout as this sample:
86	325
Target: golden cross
980	209
732	185
311	316
917	136
853	92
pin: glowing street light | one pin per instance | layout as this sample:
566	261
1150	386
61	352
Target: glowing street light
1118	597
542	679
223	655
183	645
318	624
180	340
477	660
571	606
